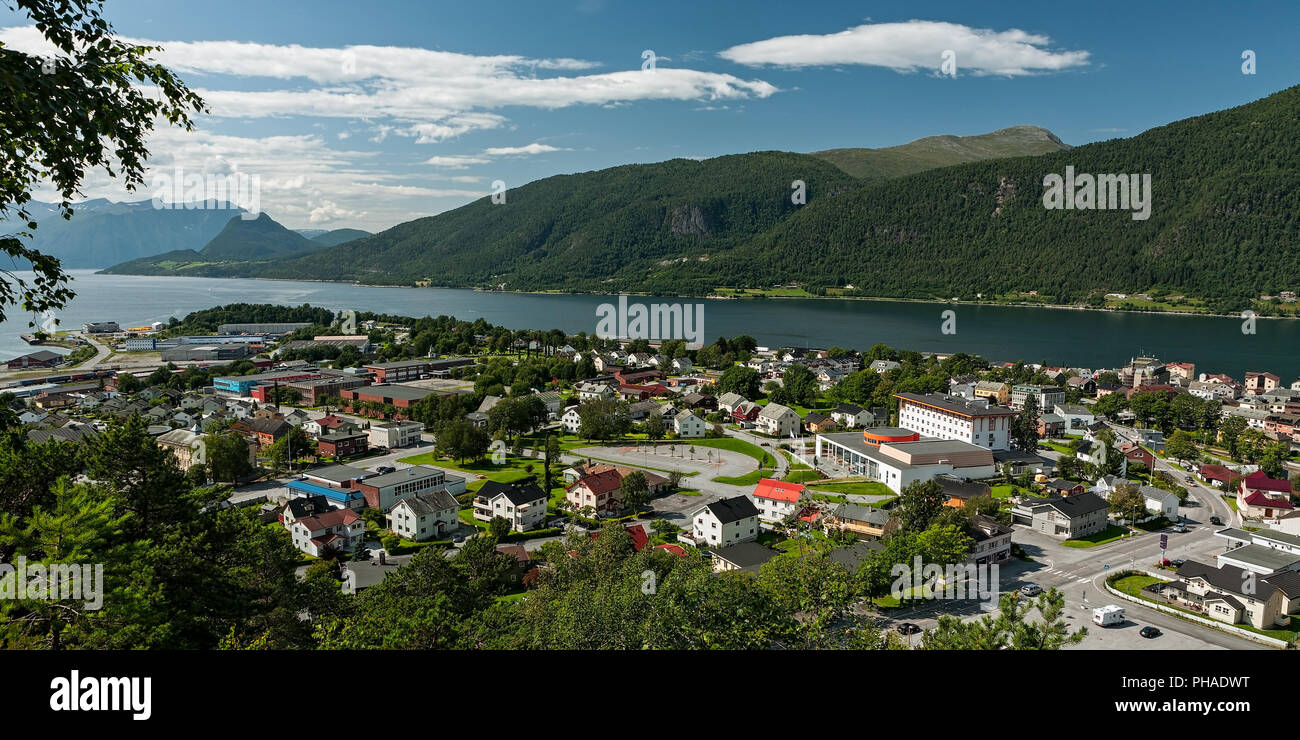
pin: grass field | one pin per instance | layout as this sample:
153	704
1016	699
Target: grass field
1109	534
760	455
748	479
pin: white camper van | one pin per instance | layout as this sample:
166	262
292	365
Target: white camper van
1108	615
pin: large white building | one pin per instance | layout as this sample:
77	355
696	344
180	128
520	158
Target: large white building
898	459
973	422
395	434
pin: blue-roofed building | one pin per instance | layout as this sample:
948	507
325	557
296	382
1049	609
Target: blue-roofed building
343	497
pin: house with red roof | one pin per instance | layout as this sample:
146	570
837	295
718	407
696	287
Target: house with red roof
337	529
776	499
1218	476
677	550
600	491
1260	496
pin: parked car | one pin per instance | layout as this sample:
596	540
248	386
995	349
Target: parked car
1180	527
1177	563
1150	632
385	469
1189	479
1032	589
907	628
1216	521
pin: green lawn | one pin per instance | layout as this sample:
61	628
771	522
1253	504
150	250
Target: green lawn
802	476
1109	534
794	463
863	488
1059	448
1003	491
730	443
1231	501
1132	585
513	470
748	479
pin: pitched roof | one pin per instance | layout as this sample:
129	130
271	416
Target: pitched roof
732	509
516	494
746	555
605	481
775	411
1259	498
859	513
778	490
1078	504
424	504
331	518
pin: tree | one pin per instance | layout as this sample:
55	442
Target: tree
801	384
634	490
1024	429
460	439
1181	446
551	455
499	527
90	107
1129	502
294	444
227	456
655	428
1010	630
918	504
740	379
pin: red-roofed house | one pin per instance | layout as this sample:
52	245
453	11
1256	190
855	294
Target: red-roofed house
1218	475
1261	496
776	499
677	550
339	529
600	491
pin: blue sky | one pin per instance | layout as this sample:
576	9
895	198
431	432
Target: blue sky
369	114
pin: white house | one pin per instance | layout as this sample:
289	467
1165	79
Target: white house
571	420
523	505
1160	502
849	416
723	523
424	516
594	391
688	425
340	529
776	499
777	420
683	365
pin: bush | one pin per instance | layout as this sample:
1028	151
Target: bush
532	534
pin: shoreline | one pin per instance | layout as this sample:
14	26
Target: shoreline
714	297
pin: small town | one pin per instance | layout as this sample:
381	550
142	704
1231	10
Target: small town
945	345
1150	495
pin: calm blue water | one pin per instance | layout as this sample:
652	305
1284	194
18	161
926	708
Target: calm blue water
1058	337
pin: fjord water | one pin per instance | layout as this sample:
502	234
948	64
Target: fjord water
999	333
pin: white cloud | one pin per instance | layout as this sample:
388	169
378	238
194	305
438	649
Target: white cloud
533	148
912	45
435	95
456	161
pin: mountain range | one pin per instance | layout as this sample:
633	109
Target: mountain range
919	221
